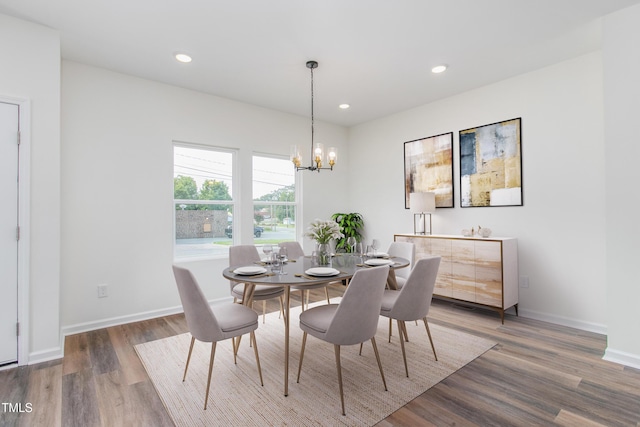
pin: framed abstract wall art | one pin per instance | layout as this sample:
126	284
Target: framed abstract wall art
428	167
491	165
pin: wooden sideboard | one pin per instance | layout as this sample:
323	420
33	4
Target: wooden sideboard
475	270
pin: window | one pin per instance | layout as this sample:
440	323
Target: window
275	199
203	200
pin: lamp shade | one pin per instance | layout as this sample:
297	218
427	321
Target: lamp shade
422	202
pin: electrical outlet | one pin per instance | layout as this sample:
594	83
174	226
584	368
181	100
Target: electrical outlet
102	291
524	281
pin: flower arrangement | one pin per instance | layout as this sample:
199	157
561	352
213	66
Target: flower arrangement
323	231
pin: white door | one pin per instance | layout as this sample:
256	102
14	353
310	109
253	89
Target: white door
8	232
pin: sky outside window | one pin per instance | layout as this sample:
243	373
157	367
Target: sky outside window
271	174
203	164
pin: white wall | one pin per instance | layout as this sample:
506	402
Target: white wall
31	70
560	228
622	107
117	180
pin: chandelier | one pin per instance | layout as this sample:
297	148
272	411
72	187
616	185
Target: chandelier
318	153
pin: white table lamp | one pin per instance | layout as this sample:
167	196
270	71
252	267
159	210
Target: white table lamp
422	204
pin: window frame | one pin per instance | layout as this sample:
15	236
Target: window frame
234	202
296	204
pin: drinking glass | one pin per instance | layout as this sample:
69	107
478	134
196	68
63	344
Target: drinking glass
268	250
282	257
360	249
351	241
276	263
375	245
368	253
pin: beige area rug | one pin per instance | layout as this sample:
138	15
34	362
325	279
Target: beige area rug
237	399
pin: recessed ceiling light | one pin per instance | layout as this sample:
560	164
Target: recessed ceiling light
438	69
344	106
183	57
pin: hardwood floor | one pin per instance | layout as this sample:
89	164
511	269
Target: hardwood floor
538	374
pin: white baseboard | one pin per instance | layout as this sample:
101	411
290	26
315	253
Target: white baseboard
623	358
610	355
57	353
564	321
121	320
46	355
9	366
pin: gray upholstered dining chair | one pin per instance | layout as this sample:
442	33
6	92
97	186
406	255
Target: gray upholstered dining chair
412	302
353	321
240	255
208	325
405	250
294	251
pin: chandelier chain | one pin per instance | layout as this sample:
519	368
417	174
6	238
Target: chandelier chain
312	120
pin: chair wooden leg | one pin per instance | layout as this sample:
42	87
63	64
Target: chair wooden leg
403	332
193	340
213	353
302	293
339	368
236	345
404	355
304	342
326	292
426	325
375	350
360	352
255	350
264	310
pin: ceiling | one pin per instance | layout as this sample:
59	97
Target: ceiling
375	55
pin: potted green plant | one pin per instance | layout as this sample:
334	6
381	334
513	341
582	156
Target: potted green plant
351	225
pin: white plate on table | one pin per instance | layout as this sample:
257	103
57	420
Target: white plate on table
378	261
378	255
249	270
322	271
